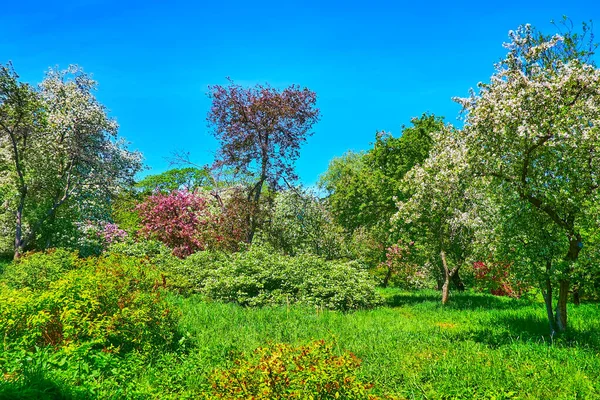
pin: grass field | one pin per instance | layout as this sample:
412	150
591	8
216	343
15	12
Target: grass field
478	346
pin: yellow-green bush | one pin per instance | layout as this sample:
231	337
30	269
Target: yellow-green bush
114	303
38	270
281	371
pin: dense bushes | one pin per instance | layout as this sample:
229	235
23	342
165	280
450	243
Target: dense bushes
114	303
259	277
38	270
281	371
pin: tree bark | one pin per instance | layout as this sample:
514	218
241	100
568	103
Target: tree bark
457	282
254	198
564	284
388	276
448	275
19	241
547	294
576	295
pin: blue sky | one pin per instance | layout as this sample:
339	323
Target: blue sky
374	64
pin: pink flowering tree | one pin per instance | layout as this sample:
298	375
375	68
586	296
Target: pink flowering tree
194	221
182	220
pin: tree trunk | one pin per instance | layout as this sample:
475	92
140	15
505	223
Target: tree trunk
547	294
561	305
19	240
576	295
254	198
446	285
457	282
440	277
388	276
564	284
448	275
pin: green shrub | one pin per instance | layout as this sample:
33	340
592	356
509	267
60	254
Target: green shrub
259	277
282	371
38	270
114	303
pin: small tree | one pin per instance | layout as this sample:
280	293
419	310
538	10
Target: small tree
261	130
439	213
182	220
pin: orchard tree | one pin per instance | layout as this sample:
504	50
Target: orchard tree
62	149
260	130
440	211
534	131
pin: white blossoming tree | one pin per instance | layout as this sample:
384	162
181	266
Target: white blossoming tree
534	131
440	212
62	149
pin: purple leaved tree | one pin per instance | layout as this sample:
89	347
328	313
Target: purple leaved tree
260	130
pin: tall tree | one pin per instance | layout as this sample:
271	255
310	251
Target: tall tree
260	130
63	148
363	188
534	130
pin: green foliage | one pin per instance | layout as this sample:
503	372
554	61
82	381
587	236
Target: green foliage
281	371
259	277
189	178
124	213
114	303
37	271
300	223
362	187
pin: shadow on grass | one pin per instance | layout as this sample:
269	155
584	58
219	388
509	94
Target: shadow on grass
533	329
37	385
458	301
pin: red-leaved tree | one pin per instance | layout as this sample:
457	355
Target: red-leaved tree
260	130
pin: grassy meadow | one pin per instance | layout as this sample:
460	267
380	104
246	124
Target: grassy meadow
478	346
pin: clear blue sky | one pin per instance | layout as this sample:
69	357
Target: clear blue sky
374	64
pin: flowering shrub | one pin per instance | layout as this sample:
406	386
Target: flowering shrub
497	278
281	371
399	269
97	236
188	222
182	220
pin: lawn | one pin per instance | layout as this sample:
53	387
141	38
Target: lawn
478	346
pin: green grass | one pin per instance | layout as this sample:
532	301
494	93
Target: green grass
478	346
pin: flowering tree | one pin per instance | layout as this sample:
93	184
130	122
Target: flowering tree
300	223
440	211
180	219
534	131
192	221
62	145
260	130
